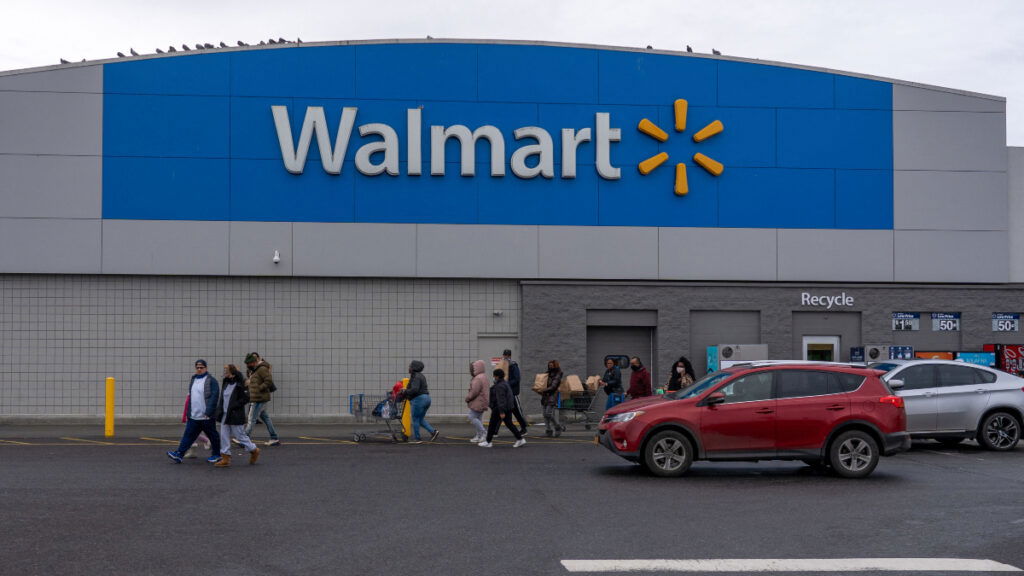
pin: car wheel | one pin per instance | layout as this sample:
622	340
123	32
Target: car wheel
949	442
999	431
853	454
668	453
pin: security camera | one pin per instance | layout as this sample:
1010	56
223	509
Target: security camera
277	256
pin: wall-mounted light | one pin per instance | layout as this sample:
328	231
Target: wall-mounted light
277	256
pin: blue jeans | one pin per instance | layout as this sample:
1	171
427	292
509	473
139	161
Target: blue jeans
192	430
258	410
420	405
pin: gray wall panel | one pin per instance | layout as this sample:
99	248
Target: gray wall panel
354	249
70	79
827	255
717	254
50	123
1016	178
165	247
51	186
949	141
950	201
951	256
477	251
50	245
914	98
253	245
598	252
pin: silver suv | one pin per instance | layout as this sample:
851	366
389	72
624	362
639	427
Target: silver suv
953	401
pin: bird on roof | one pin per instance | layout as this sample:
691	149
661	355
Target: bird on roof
271	41
171	49
223	45
121	55
688	48
262	43
298	40
159	51
200	46
240	43
208	46
133	52
63	61
282	41
649	47
716	52
186	48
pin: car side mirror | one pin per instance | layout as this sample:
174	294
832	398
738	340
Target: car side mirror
716	398
895	384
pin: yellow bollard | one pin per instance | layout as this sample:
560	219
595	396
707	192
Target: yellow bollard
108	422
406	413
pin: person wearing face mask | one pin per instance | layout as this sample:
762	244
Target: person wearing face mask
612	382
230	414
549	400
501	402
682	375
639	380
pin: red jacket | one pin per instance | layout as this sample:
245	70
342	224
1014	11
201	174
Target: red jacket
639	383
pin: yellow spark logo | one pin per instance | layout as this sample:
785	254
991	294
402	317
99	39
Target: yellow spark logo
651	129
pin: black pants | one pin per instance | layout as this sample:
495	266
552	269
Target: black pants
495	423
192	430
517	411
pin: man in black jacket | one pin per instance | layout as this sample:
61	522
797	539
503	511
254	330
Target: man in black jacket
513	382
502	401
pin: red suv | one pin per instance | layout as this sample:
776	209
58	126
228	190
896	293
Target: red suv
823	414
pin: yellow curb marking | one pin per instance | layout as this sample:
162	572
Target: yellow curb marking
164	440
329	440
15	442
73	439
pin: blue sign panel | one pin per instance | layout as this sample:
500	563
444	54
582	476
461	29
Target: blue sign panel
494	134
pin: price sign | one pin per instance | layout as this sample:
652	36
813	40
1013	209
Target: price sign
1002	322
945	321
906	321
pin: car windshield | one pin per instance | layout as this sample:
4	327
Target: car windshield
887	366
699	387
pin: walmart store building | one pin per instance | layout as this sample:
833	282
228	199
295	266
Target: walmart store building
343	208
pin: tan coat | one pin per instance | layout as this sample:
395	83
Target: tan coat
259	382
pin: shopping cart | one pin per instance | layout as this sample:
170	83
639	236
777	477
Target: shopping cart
387	409
579	408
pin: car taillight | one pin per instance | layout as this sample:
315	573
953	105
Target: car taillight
896	401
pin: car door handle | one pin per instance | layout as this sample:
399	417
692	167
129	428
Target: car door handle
835	407
981	390
929	394
764	411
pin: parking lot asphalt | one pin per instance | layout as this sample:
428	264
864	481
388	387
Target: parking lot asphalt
75	502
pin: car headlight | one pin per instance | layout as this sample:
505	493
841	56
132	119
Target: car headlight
625	416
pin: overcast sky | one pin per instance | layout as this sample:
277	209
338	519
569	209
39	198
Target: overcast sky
976	46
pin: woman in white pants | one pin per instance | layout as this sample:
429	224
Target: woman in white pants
230	414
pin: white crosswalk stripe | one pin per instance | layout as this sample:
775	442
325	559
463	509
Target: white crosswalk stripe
792	565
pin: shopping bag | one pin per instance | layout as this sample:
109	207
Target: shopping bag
540	382
592	383
573	385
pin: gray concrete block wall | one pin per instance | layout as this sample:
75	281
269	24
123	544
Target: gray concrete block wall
60	336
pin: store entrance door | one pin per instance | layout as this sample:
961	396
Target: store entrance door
821	348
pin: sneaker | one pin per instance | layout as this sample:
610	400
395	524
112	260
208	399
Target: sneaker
519	443
434	435
213	459
174	455
476	439
522	432
485	444
415	441
190	453
272	442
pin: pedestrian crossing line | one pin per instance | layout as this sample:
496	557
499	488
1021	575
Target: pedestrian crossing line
161	440
73	439
792	565
327	440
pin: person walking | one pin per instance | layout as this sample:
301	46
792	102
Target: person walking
514	378
260	382
612	382
418	394
639	380
230	414
478	399
501	403
682	375
549	400
202	401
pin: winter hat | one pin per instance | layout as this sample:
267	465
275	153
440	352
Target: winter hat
201	361
251	357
